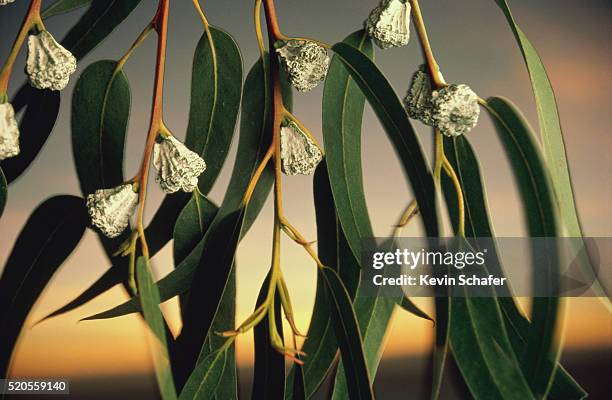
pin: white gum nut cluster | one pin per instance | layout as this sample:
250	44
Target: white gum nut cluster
456	109
5	2
389	24
49	65
305	61
299	154
178	168
110	209
418	100
453	110
9	132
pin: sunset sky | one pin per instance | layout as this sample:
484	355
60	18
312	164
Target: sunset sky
473	45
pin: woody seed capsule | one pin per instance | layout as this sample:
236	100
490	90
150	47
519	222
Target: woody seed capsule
299	154
110	209
49	65
9	132
389	23
305	61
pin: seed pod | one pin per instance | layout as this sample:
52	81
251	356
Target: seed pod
178	168
9	132
110	209
305	61
418	100
299	154
49	65
455	109
5	2
389	24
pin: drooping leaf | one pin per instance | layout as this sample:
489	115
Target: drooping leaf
99	21
3	192
49	236
477	224
299	388
63	7
205	378
554	147
149	301
393	117
41	109
343	105
269	369
409	306
348	336
216	87
100	113
540	213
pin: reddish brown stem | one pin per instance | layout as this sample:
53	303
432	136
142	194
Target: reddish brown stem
160	24
32	18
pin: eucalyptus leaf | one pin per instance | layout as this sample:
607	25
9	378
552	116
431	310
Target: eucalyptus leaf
149	301
477	224
554	147
49	236
539	359
41	110
409	306
348	336
269	368
343	105
63	7
206	377
100	113
99	21
216	86
320	345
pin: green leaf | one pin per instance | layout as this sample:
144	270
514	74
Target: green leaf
216	86
540	213
269	368
149	301
35	126
3	192
63	7
206	377
409	306
348	336
554	146
99	21
100	113
191	225
333	250
343	104
464	162
49	236
299	389
394	119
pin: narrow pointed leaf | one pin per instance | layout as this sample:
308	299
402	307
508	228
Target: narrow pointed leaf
540	356
49	236
348	336
205	378
409	306
554	146
99	21
216	86
466	165
394	119
63	7
149	300
269	369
